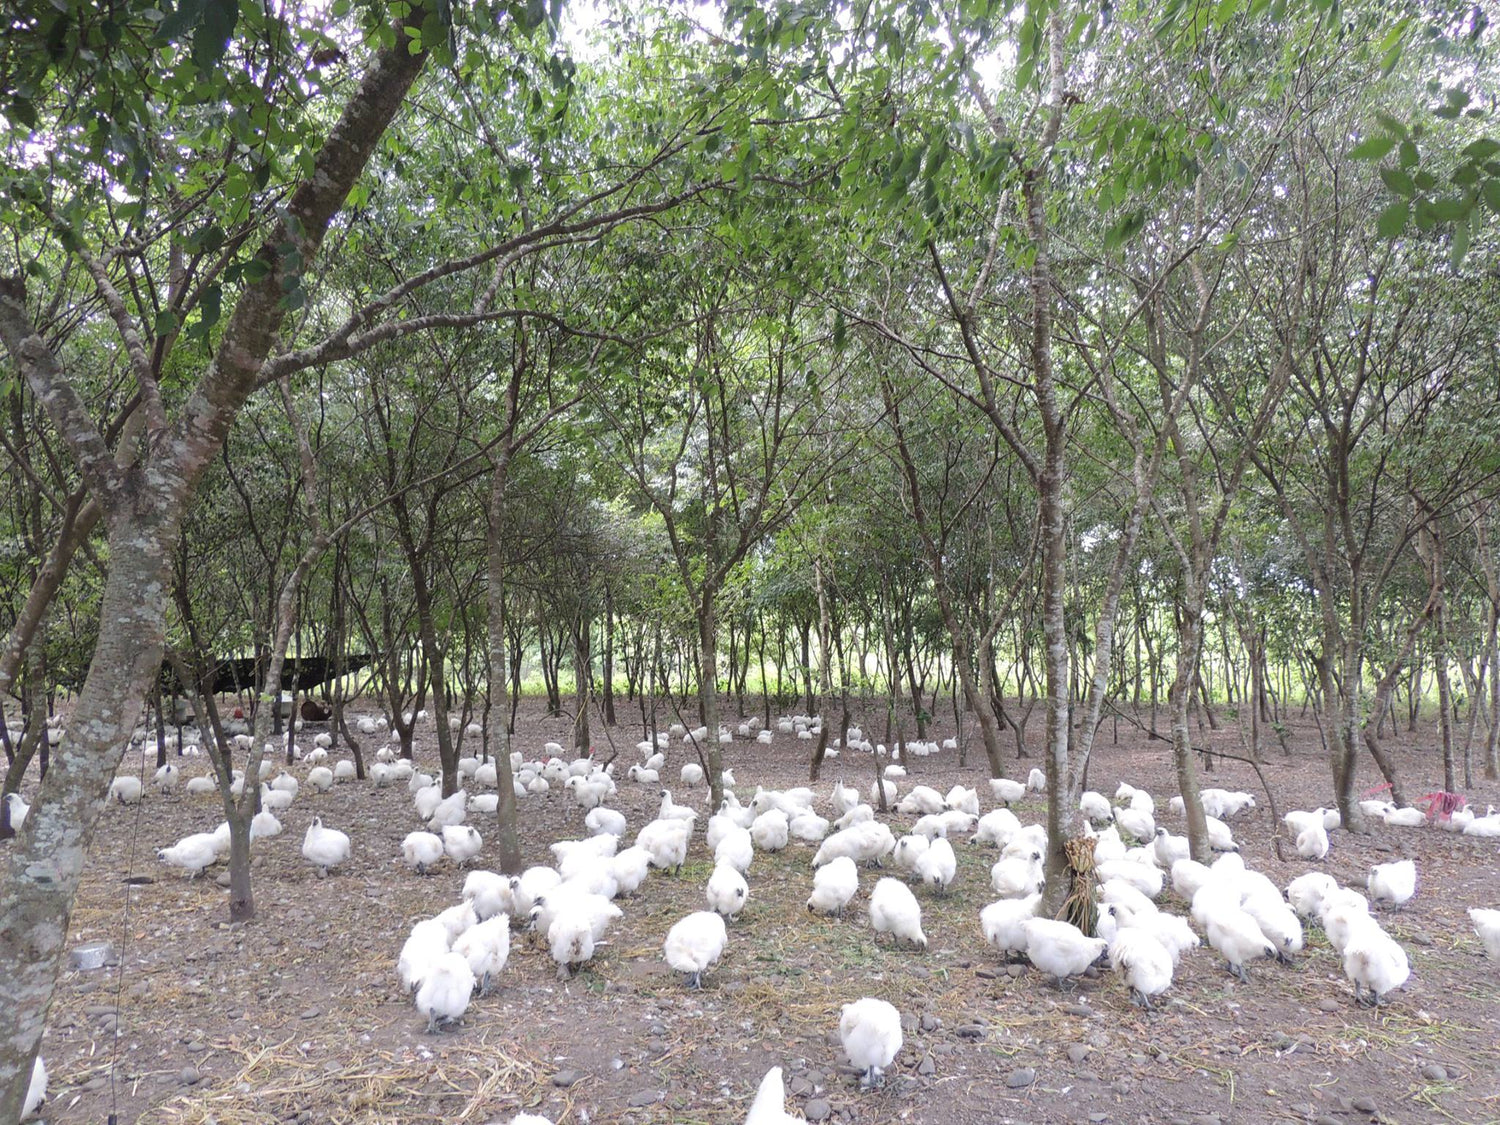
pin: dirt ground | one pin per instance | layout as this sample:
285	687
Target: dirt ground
298	1016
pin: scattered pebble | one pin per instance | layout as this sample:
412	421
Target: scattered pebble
1020	1078
1434	1073
817	1110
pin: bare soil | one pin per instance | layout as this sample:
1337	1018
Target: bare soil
298	1016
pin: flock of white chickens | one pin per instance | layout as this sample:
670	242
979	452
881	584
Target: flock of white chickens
570	905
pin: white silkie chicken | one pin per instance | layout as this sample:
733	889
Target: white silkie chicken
769	1106
457	919
264	825
1188	876
36	1089
770	831
343	770
277	800
125	790
1375	961
1144	877
894	910
1392	883
695	944
443	995
1405	818
201	786
572	938
602	821
1171	932
1004	923
320	778
908	850
1487	925
1136	822
691	774
1168	848
834	884
727	891
462	843
1036	781
450	811
961	799
191	853
630	866
921	800
588	792
870	1032
998	827
1144	962
1220	838
808	827
167	777
529	886
285	783
489	894
667	841
1312	842
844	798
485	803
866	842
1236	936
427	942
857	815
324	848
1095	806
736	848
1060	949
1005	791
937	866
18	810
884	785
1305	893
421	850
672	811
1018	876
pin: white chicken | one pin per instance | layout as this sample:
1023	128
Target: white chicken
695	944
894	910
324	848
834	884
443	995
870	1032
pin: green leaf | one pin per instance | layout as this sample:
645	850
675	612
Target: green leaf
1491	192
1460	245
1372	148
1482	149
211	36
1398	181
166	323
1392	220
1408	155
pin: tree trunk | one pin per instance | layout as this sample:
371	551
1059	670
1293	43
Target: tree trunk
507	835
708	692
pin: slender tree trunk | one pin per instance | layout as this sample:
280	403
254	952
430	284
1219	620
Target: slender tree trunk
708	691
507	835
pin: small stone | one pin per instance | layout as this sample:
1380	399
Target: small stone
800	1086
971	1031
1083	1011
1327	1119
658	1029
656	1047
941	1049
1098	1117
909	1023
312	1013
1417	937
817	1110
1434	1073
564	1078
985	974
642	1098
815	1077
1078	1052
1364	1104
926	1066
1014	971
1020	1078
1328	1004
931	1023
1206	1119
189	1076
223	880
